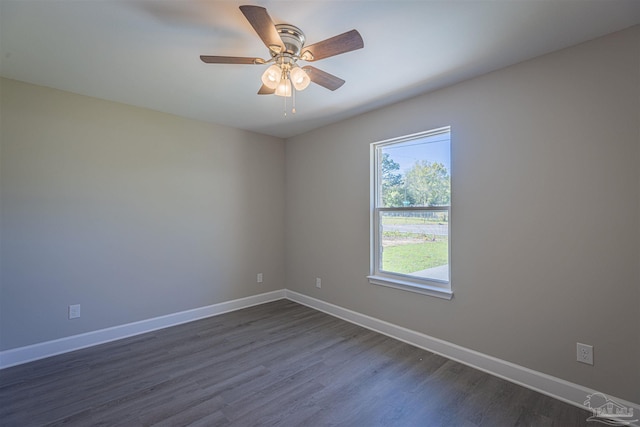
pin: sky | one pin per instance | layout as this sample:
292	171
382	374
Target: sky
436	148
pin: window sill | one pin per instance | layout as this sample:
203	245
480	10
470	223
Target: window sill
405	285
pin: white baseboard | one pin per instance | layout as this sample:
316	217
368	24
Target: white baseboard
20	355
557	388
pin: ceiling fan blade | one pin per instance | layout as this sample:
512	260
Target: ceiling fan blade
266	91
342	43
262	23
323	78
230	60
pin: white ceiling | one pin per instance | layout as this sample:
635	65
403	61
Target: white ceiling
146	52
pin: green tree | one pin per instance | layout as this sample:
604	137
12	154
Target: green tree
392	183
428	184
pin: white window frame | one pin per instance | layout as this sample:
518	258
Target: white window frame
432	287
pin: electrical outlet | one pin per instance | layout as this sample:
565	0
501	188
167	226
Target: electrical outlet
74	311
318	282
584	353
259	278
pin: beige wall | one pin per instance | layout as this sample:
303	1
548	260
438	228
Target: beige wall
545	213
129	212
136	214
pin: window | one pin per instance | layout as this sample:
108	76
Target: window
411	213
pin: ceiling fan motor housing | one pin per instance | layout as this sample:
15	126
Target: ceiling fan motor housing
292	37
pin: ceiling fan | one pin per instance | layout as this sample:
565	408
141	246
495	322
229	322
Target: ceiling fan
286	44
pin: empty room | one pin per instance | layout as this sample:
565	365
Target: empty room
320	213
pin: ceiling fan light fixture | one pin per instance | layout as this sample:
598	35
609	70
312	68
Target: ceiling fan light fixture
299	78
284	88
272	76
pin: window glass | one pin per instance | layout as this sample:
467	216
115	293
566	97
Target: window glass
411	211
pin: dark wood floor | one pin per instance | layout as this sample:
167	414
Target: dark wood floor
275	364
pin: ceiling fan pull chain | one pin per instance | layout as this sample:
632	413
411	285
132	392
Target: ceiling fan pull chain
284	79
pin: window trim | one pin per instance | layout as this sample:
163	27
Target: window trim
431	287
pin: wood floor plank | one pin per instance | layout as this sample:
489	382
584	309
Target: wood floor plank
276	364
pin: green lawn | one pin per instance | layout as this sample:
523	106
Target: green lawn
414	257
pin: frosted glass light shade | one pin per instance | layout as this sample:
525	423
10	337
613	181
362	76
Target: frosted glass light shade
284	88
299	78
272	76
